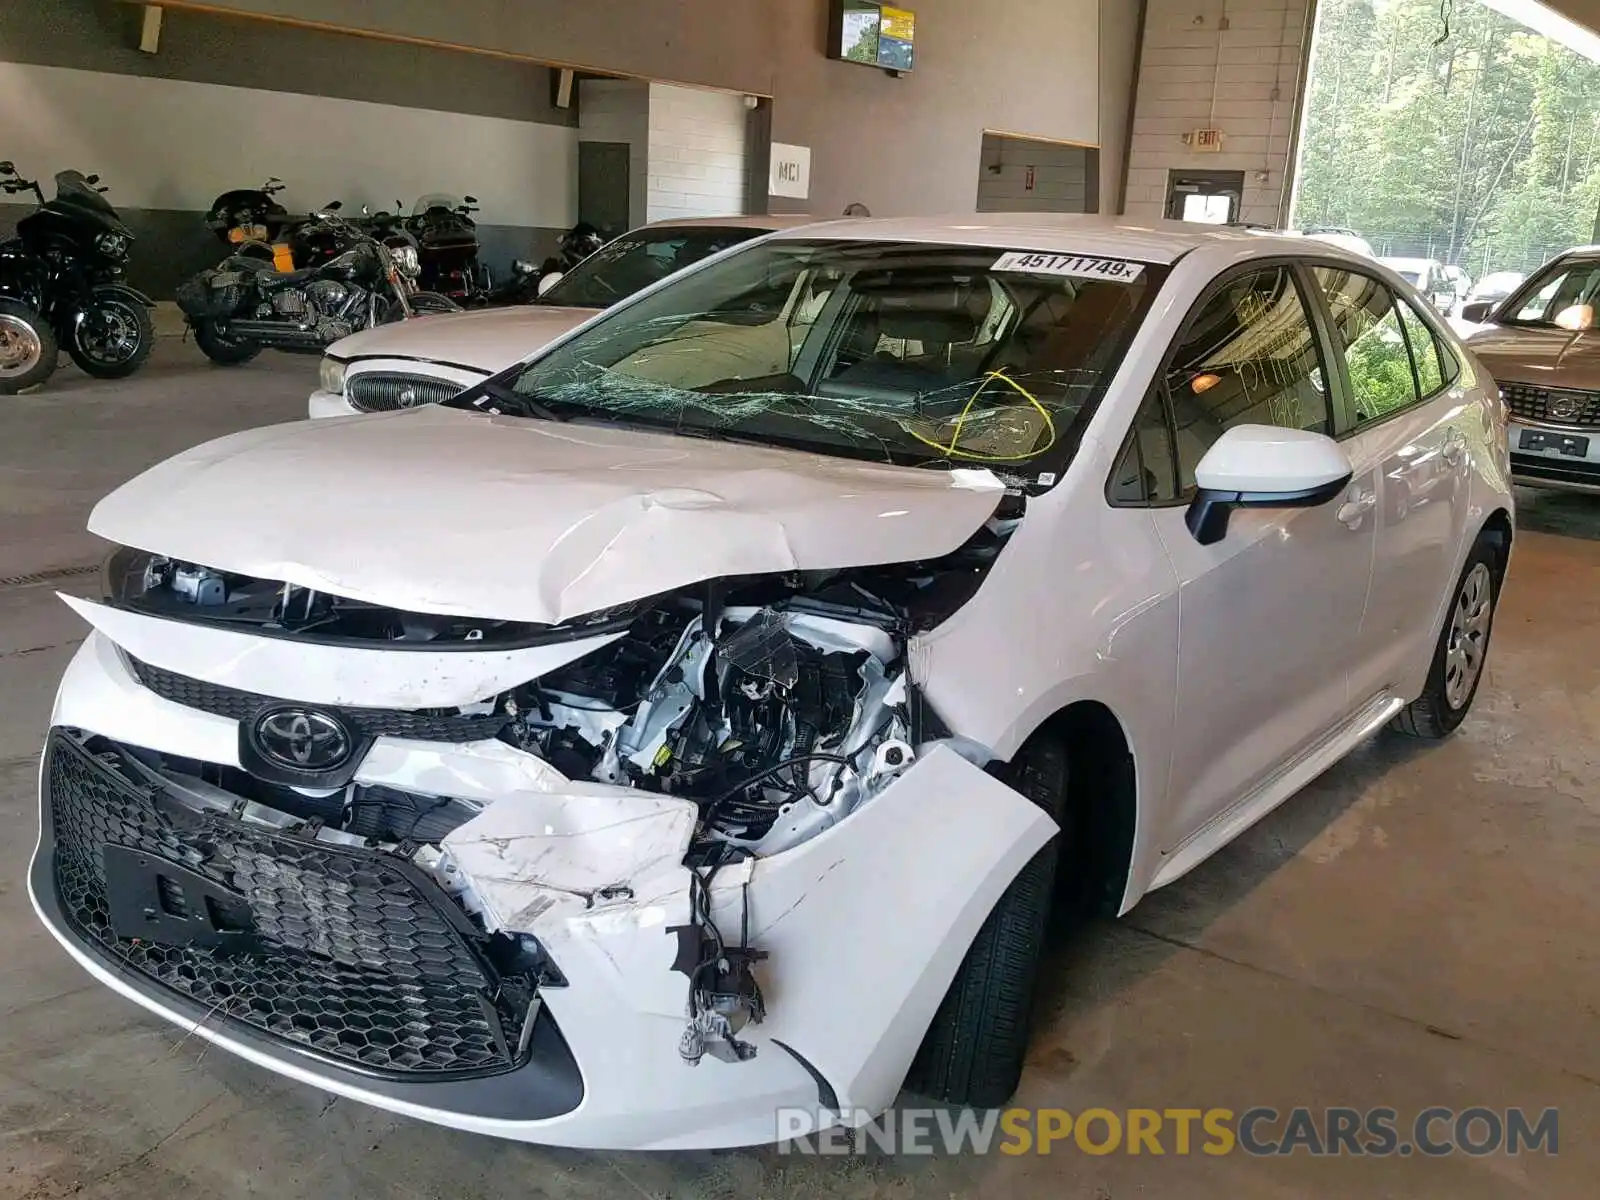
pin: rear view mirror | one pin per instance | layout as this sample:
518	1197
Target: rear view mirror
546	282
1263	466
1477	311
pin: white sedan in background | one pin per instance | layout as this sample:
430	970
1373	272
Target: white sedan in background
703	717
423	361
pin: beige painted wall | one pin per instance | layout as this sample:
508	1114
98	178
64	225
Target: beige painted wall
902	146
1121	23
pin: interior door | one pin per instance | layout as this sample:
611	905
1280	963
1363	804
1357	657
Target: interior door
1208	197
1270	615
604	186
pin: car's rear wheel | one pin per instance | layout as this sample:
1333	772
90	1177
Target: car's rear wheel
975	1046
1463	647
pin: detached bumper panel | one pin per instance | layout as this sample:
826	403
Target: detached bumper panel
349	957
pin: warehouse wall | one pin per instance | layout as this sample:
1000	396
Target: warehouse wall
1236	65
907	145
227	103
618	110
1121	28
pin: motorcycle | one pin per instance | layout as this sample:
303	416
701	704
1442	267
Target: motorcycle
65	265
447	238
249	215
528	283
244	305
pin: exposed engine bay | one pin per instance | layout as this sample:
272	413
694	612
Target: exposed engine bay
775	705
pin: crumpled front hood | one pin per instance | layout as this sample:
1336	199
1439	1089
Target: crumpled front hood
444	511
1554	358
489	340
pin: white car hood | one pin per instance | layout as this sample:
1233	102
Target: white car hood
489	341
444	511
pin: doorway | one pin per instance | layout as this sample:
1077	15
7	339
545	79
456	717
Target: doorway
1206	197
605	186
1018	174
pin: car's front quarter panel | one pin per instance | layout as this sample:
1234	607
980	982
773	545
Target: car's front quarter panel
1080	606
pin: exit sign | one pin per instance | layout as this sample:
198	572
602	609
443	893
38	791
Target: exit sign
1208	140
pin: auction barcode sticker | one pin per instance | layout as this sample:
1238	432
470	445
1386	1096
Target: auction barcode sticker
1069	264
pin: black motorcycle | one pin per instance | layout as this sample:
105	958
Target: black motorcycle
447	239
528	283
65	264
249	215
244	305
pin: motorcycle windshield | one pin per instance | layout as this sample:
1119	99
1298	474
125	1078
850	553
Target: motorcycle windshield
435	200
75	192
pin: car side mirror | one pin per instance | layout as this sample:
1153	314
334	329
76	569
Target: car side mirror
1263	466
1477	311
546	282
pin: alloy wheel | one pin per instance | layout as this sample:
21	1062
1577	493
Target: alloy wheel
1469	635
109	333
20	348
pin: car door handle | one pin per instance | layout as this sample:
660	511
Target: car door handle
1355	509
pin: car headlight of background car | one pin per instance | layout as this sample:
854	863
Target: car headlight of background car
330	377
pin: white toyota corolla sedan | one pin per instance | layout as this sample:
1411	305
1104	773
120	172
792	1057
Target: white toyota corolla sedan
703	716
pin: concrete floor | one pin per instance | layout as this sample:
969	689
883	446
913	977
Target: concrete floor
1417	928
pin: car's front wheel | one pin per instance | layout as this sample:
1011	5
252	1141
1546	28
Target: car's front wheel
1463	647
975	1046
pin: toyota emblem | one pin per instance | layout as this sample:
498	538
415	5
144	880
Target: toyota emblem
1565	408
302	739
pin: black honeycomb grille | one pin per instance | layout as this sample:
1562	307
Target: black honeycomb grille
423	724
1559	406
355	956
385	391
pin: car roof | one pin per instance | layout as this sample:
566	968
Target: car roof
1162	242
766	224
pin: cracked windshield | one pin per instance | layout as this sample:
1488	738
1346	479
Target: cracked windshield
896	352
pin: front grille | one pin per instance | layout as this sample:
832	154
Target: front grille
423	724
351	955
385	391
1559	406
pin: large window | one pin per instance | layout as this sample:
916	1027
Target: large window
896	352
1250	356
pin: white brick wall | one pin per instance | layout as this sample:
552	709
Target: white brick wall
697	153
1235	65
1060	176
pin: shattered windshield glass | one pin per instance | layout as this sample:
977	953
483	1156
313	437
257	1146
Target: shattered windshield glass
636	260
899	352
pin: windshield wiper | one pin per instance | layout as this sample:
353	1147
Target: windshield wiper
519	404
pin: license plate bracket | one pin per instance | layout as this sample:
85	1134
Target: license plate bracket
155	900
1564	444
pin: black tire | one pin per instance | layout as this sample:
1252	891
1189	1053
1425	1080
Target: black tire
28	351
1442	707
974	1048
135	324
220	349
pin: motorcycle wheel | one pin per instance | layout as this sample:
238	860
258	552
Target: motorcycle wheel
27	348
221	349
112	337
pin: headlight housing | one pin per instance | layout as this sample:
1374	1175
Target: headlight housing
407	261
330	376
112	245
